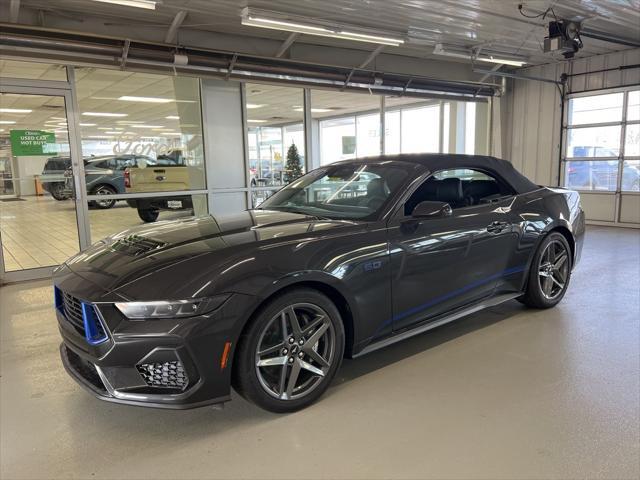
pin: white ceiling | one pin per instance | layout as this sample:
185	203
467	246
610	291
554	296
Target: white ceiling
494	24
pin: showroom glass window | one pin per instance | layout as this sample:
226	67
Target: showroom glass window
430	126
602	141
275	131
348	125
141	134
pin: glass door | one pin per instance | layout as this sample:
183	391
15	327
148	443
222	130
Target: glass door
38	217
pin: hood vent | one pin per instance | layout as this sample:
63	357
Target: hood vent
135	245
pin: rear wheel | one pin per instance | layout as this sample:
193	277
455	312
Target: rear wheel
105	191
290	352
550	273
148	215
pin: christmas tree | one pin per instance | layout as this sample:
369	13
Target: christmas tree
293	166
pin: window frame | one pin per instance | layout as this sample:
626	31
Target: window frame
621	158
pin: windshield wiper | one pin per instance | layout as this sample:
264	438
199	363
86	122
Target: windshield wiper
300	212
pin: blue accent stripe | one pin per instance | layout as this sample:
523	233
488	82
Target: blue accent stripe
57	298
455	293
93	332
447	296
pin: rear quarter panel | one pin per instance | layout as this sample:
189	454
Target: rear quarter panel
535	214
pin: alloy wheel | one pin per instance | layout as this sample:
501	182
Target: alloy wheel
553	271
106	203
295	351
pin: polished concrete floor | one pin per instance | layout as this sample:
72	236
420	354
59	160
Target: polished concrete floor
509	393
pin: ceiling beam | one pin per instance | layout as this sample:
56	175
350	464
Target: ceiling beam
286	44
172	33
14	10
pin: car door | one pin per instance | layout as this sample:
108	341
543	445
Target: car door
442	263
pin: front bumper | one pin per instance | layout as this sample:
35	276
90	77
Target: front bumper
192	357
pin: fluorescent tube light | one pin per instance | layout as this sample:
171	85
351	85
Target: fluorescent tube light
502	61
104	114
253	105
129	98
15	110
256	121
7	122
148	4
314	110
258	21
87	124
147	126
172	117
440	50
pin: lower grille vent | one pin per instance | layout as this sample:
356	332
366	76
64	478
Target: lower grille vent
164	375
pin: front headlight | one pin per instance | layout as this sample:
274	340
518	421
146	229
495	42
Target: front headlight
171	308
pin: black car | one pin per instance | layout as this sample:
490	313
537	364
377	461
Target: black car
270	300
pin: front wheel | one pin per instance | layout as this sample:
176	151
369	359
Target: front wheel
148	215
58	192
290	352
550	273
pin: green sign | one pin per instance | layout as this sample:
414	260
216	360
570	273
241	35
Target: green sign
27	143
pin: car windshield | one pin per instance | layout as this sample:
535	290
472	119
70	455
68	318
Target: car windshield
352	191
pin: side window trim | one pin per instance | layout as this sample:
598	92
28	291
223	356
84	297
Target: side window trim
502	183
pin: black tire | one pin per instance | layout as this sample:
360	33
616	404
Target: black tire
537	295
251	380
148	215
56	190
105	190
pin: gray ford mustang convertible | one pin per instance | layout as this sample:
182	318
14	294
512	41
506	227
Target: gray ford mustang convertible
349	258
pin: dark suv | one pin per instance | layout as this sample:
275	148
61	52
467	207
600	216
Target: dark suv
104	175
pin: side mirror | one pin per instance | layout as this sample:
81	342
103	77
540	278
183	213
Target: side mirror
432	210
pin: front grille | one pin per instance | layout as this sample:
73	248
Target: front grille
135	245
72	309
83	317
164	375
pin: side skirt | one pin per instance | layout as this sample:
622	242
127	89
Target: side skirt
424	327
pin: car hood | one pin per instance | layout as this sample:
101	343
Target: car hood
199	246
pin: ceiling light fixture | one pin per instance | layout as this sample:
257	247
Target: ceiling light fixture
129	98
314	110
256	121
147	4
87	124
15	110
172	117
7	122
104	114
262	19
251	106
440	50
147	126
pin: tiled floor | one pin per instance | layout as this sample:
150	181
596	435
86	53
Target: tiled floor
509	393
41	231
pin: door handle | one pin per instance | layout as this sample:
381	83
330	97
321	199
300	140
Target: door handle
497	227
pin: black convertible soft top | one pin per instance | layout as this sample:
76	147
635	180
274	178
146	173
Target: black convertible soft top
443	161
